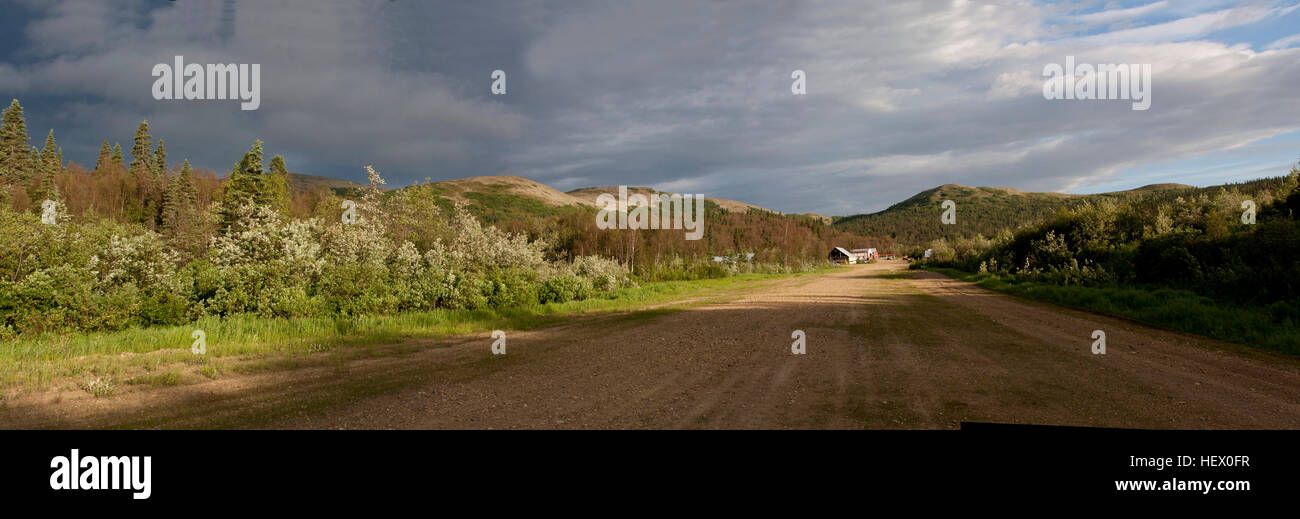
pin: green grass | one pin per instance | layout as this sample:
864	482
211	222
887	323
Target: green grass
169	378
279	343
495	206
1181	310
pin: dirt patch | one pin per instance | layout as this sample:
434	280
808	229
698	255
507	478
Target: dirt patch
509	184
883	351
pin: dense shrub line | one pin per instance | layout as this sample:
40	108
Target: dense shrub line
1189	264
1198	244
103	275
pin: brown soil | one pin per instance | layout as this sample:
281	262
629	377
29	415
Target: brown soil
885	349
520	186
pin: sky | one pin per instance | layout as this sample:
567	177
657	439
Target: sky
685	96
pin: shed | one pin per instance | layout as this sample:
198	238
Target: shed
841	256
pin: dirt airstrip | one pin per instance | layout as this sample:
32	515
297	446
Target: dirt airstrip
886	348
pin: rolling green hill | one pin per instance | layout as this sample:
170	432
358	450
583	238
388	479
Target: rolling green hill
528	204
496	199
989	210
501	198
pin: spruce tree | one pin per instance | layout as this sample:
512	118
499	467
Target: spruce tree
160	161
51	158
48	190
174	204
35	170
246	186
104	153
15	158
117	155
189	190
141	159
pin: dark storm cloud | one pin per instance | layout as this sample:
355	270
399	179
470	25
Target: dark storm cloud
686	96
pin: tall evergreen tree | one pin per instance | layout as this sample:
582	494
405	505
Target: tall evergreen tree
104	153
179	211
48	190
117	155
172	206
35	170
246	186
190	190
141	157
15	155
160	161
51	158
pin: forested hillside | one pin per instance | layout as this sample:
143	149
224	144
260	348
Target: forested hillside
987	211
153	241
568	224
1222	262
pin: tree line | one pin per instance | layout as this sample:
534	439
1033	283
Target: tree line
150	242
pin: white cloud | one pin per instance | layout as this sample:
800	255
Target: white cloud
1284	43
902	96
1189	27
1117	15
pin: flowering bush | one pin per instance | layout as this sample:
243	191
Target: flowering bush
483	248
105	276
143	260
604	273
92	276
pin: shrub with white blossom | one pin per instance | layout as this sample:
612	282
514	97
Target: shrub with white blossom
399	255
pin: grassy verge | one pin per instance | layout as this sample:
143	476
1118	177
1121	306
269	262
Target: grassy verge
162	356
1182	310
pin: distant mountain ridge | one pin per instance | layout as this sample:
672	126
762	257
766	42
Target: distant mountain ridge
913	221
989	210
589	194
463	189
